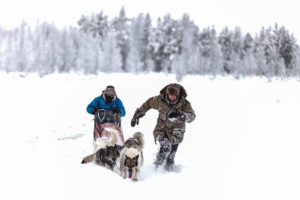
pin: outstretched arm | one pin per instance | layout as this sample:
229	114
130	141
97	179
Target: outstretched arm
152	102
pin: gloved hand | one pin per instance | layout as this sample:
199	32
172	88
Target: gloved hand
137	115
95	110
98	113
115	110
177	114
174	114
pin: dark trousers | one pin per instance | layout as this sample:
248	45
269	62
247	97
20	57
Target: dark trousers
166	152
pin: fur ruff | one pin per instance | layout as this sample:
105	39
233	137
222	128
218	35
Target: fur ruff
131	152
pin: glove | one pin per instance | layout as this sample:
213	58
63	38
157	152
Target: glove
95	110
137	115
174	114
115	110
98	113
178	114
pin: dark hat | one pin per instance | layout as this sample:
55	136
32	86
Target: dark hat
110	90
173	90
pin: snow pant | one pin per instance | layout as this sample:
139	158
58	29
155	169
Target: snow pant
166	152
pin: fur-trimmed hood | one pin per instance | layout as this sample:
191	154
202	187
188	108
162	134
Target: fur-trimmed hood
173	88
182	92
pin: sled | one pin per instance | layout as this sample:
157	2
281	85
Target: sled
107	119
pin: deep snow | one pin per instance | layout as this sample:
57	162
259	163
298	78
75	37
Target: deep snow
244	143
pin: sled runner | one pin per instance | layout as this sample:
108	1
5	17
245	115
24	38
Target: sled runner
107	119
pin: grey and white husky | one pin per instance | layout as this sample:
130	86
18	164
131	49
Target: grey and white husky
131	158
106	150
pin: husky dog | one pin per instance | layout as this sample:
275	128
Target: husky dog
106	150
107	156
131	158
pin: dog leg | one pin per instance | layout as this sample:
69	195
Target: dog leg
121	171
137	171
125	173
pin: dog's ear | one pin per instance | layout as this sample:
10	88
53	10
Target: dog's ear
137	157
119	147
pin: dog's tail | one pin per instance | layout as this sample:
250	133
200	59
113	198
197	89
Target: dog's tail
114	136
88	158
139	136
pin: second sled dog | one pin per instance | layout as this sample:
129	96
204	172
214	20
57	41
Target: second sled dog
131	158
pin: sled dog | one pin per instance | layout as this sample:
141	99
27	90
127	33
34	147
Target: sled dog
131	158
106	150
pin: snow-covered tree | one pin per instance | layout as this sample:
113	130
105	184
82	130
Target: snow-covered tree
286	46
210	53
96	25
112	59
121	28
137	45
188	61
165	43
226	42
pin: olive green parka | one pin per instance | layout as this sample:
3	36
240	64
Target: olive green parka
172	127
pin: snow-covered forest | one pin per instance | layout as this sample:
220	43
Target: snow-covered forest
122	44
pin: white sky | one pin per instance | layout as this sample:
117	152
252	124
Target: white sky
249	15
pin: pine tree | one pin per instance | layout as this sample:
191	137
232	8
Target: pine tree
210	52
112	59
121	27
188	59
145	36
285	44
96	25
226	42
165	43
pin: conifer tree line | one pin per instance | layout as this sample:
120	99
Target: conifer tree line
135	45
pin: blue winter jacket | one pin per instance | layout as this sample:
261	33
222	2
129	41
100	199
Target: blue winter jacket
99	102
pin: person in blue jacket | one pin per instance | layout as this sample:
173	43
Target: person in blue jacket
108	100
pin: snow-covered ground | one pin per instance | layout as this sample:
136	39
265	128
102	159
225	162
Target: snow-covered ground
244	143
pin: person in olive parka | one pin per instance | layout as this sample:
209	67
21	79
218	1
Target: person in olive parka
174	111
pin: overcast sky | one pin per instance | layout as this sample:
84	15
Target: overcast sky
249	15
